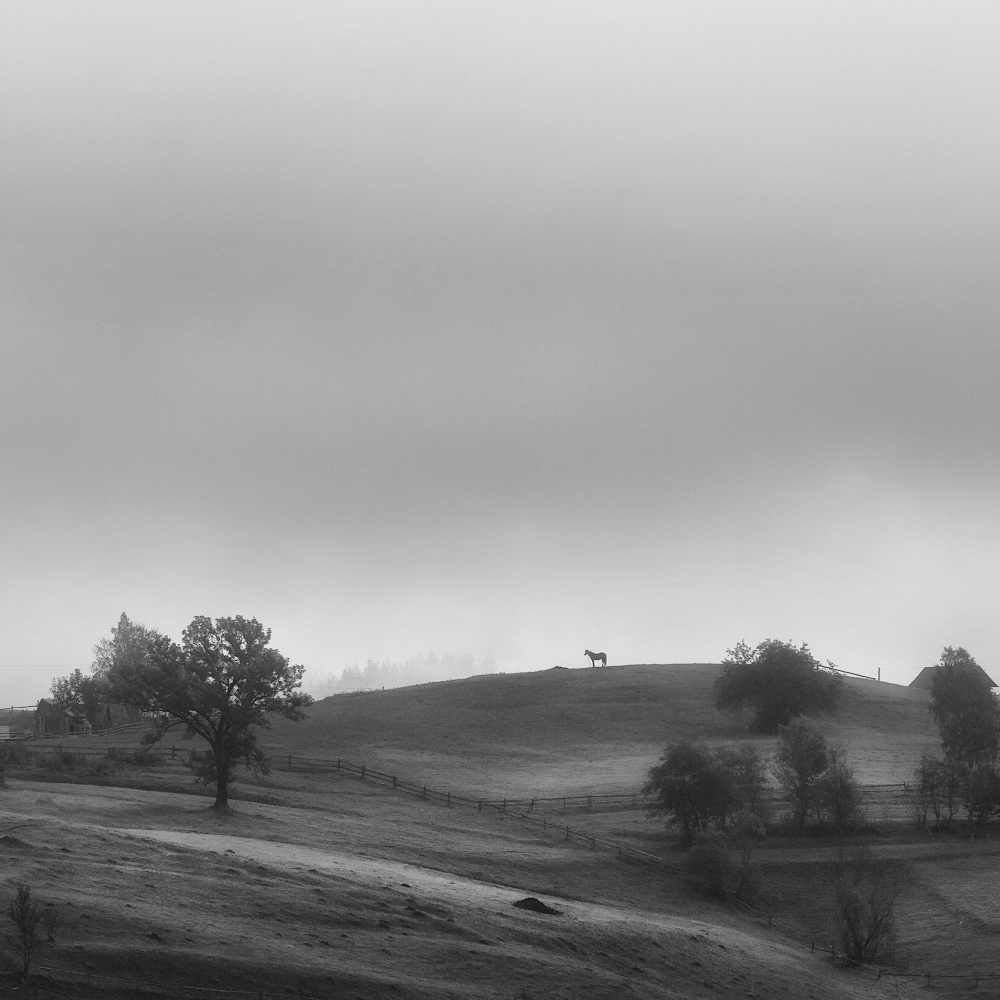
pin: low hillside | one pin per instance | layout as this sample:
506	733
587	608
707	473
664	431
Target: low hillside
560	730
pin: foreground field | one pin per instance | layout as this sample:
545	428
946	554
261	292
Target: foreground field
322	885
367	895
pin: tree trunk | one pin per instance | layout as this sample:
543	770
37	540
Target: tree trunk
221	784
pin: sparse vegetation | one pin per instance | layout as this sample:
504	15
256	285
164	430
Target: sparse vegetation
866	894
777	681
25	916
50	921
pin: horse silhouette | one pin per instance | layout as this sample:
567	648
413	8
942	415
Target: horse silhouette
594	657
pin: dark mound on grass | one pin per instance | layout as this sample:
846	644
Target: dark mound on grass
536	906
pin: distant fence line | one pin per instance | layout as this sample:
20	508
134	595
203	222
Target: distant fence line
110	731
626	800
501	807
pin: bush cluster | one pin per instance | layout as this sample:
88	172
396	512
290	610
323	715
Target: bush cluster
701	787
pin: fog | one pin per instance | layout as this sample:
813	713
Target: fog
500	331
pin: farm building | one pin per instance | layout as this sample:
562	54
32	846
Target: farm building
52	720
925	678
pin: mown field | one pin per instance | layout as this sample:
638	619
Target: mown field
323	885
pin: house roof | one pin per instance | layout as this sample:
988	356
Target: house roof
925	678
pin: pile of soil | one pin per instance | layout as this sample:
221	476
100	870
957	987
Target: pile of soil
536	906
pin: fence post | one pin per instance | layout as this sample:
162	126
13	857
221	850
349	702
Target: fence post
394	782
338	763
448	803
593	843
480	805
362	772
567	831
425	792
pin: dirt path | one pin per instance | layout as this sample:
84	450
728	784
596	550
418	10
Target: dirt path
444	887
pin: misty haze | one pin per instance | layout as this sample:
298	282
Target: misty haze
499	500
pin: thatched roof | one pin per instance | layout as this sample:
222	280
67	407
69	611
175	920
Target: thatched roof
925	678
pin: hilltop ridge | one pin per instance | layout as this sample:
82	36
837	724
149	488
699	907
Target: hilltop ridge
592	728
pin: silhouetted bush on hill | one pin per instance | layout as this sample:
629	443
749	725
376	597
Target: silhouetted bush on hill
776	680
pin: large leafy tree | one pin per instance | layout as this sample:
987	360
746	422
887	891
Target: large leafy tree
692	785
965	710
223	682
124	649
80	694
777	681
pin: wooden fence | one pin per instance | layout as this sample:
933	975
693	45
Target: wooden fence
519	810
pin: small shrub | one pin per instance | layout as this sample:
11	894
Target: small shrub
104	767
720	865
61	760
50	921
839	794
17	755
147	758
24	914
866	893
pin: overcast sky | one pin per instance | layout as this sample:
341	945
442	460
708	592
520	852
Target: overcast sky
501	328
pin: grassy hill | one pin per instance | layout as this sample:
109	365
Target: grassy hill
561	730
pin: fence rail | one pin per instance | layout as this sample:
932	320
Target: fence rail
127	727
592	800
519	810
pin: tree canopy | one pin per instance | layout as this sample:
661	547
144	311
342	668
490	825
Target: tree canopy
777	681
801	760
222	683
79	694
124	648
965	710
85	694
690	785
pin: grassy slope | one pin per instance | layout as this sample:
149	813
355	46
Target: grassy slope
390	897
558	730
523	731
